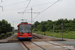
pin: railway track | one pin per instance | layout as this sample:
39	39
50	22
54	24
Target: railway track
50	42
42	45
29	47
36	37
25	45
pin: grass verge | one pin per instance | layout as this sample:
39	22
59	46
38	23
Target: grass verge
70	34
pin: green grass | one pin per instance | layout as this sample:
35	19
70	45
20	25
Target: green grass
70	34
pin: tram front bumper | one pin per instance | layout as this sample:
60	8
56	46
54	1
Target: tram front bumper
25	38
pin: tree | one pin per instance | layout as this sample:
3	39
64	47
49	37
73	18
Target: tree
47	25
36	23
5	26
43	27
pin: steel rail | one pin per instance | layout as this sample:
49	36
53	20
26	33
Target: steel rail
25	45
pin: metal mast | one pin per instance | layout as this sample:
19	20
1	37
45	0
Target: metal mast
31	15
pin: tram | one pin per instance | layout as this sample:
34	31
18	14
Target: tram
24	31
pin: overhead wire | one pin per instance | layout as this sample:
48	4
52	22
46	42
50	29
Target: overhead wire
3	1
15	3
33	6
14	9
41	4
27	5
26	8
46	8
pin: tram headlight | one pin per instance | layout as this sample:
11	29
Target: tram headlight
29	33
20	33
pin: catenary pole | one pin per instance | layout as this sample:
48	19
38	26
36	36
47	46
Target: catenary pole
31	15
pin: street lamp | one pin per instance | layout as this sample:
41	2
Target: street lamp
1	7
1	0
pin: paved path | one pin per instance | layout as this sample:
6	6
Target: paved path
5	40
11	46
71	43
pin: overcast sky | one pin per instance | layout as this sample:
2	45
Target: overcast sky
62	9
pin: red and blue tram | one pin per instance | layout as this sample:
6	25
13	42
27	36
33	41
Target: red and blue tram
24	31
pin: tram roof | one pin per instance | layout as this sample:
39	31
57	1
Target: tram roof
23	22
